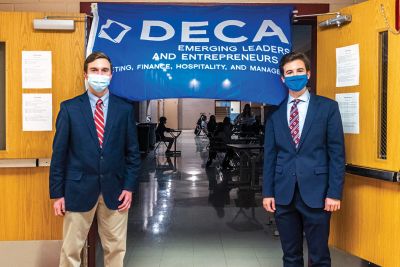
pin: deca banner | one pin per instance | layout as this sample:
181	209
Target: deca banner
221	52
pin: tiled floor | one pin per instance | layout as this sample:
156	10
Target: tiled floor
186	216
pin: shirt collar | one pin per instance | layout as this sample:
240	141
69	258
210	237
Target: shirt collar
93	98
305	97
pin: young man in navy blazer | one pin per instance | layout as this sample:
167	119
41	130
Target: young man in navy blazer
94	166
304	166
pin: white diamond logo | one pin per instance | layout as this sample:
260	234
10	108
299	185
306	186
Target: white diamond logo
103	34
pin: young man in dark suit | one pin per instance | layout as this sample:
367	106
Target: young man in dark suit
304	165
94	166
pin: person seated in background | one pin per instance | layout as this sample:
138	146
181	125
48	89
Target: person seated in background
244	121
227	129
211	125
161	129
204	124
246	118
257	127
218	141
201	125
227	139
200	119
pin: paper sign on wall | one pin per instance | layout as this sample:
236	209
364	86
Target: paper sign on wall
349	106
37	112
36	69
348	66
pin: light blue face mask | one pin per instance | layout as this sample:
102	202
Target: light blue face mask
98	82
296	83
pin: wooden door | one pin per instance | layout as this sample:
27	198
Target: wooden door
25	208
368	224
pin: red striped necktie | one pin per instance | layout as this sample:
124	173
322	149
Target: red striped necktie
294	122
99	121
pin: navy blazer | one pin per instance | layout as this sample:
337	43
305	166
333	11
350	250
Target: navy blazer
80	170
318	163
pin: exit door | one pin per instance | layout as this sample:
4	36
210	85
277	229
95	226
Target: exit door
365	227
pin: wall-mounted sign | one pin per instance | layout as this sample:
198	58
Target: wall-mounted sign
349	106
348	66
37	112
36	69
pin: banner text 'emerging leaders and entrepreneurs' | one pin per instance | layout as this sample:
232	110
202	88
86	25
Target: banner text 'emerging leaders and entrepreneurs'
195	57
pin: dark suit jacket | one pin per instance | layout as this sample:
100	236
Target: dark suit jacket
80	170
318	164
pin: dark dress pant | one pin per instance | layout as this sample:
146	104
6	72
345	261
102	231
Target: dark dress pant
294	219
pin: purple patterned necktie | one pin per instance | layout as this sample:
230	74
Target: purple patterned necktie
294	122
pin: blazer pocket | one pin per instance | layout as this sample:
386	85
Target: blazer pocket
73	175
279	169
321	170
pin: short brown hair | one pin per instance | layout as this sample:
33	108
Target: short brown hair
292	56
92	57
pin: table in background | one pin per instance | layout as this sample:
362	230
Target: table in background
246	154
175	134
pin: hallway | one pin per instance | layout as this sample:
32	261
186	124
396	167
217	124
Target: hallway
187	215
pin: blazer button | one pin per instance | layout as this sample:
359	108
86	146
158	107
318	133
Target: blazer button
101	157
293	174
101	175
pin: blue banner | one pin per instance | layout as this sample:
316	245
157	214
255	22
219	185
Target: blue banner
172	51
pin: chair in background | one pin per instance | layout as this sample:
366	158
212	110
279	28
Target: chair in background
159	141
216	150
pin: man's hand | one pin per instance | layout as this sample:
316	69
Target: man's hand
269	204
332	204
59	206
126	198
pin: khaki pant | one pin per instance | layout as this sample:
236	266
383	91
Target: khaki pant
112	226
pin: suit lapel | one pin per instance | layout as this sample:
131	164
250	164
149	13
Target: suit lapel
88	115
311	111
111	113
284	124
